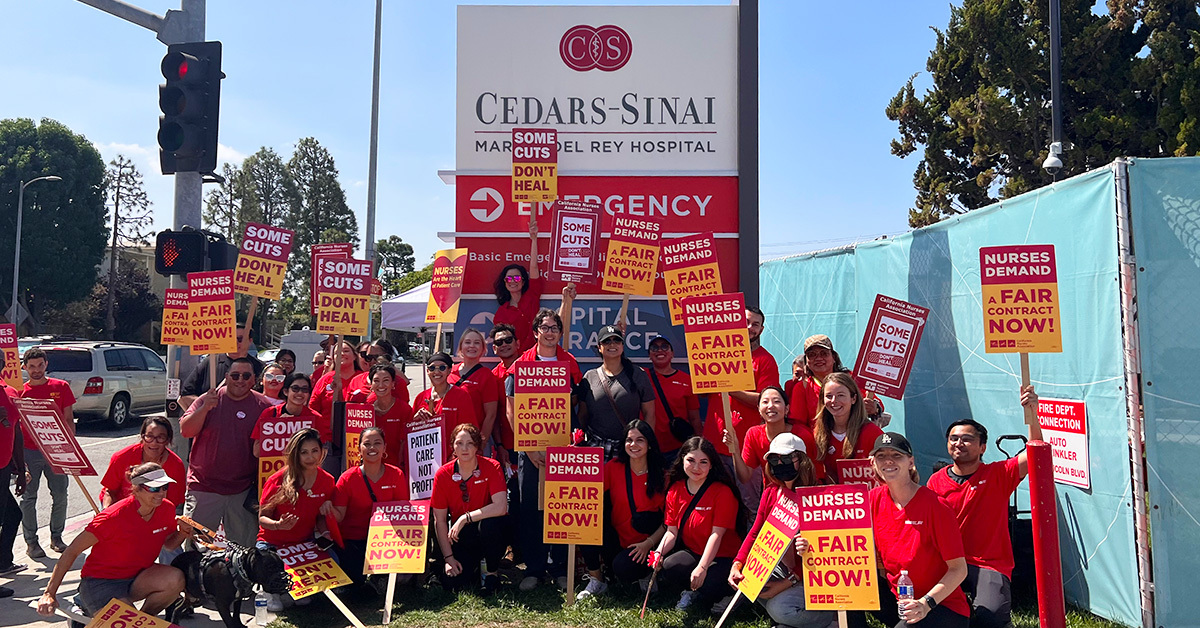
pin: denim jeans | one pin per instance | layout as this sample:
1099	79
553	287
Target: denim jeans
39	468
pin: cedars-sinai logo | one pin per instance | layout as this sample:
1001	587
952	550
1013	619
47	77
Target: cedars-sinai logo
606	48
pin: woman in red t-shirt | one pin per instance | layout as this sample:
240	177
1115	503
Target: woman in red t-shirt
470	491
355	495
635	527
323	398
477	380
391	413
295	412
702	513
125	541
519	293
842	429
152	446
451	404
773	410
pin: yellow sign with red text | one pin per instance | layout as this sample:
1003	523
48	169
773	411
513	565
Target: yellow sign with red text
175	318
772	542
359	416
839	568
574	496
11	374
534	165
631	263
312	569
343	295
446	285
1020	299
718	343
118	614
542	405
211	312
262	261
396	539
689	270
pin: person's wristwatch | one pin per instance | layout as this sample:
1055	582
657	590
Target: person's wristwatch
930	602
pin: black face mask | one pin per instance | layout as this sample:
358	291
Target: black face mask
784	470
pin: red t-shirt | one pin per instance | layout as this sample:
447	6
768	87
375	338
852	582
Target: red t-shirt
622	515
307	508
116	483
360	388
487	480
56	389
766	373
717	509
351	493
393	423
677	388
506	430
521	315
322	399
769	498
862	448
274	429
127	543
754	448
481	385
981	506
919	537
805	400
454	408
10	424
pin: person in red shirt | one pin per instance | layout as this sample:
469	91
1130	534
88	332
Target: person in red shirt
293	415
788	467
295	499
125	541
369	354
451	403
819	361
152	446
391	414
633	481
519	293
917	533
12	467
799	372
477	380
326	393
504	345
41	387
702	512
355	495
470	492
978	494
772	409
673	391
271	382
842	429
318	364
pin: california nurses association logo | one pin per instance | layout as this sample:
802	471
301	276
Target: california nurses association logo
606	48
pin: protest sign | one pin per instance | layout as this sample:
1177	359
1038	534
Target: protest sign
542	405
311	569
359	416
855	471
839	571
574	247
574	496
690	269
316	253
423	437
1020	299
396	539
376	296
343	295
175	318
262	261
718	343
889	346
11	374
118	614
445	287
773	540
1064	426
631	264
273	437
212	316
534	165
42	421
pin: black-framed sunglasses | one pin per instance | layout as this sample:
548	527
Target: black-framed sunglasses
465	487
153	489
318	362
437	367
778	459
240	376
507	340
299	389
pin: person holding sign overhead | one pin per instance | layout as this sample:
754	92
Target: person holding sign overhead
151	446
772	409
470	492
356	493
788	466
842	429
519	292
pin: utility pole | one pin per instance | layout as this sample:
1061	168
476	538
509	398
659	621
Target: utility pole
373	160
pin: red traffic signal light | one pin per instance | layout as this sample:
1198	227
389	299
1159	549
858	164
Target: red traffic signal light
180	252
190	101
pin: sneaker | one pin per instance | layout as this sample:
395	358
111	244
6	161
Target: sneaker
685	599
491	583
13	568
58	546
722	604
561	583
595	586
274	603
529	583
644	584
35	551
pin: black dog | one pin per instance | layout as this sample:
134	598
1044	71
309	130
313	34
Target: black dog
227	577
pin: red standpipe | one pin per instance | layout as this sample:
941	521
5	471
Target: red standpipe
1052	611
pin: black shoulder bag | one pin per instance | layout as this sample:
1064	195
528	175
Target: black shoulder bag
645	522
680	429
462	377
687	512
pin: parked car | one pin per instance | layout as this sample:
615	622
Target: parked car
111	380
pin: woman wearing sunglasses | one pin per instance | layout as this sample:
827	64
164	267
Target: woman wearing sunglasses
153	445
470	498
442	403
277	424
519	293
272	381
356	493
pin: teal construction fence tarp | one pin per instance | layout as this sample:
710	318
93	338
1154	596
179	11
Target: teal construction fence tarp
953	377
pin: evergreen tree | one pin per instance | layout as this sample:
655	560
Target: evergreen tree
395	261
132	221
223	207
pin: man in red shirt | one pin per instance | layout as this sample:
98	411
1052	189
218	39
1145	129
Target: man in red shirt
12	466
978	493
41	387
673	389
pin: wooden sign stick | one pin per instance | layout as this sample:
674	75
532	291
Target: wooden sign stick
86	494
250	315
388	599
342	607
728	412
624	311
843	620
729	609
1030	412
570	574
437	341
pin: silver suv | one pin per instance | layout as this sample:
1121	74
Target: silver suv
110	380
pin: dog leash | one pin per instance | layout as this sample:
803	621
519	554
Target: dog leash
201	534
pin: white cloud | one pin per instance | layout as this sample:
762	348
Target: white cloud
229	154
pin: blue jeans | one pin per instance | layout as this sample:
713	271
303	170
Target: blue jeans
787	608
536	553
38	467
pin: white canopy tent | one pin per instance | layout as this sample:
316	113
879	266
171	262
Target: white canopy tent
406	312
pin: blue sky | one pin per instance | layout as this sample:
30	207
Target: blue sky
303	68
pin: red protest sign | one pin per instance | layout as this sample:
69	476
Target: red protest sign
855	471
534	165
43	422
262	260
359	416
574	249
889	346
343	295
11	374
318	252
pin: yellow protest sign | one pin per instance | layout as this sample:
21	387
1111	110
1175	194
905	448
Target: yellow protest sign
690	269
262	261
11	374
772	542
212	318
359	416
312	569
718	343
343	295
118	614
534	165
542	405
396	539
175	318
446	284
574	496
273	436
839	569
1020	299
631	263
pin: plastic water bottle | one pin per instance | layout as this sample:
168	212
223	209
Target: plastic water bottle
260	609
904	590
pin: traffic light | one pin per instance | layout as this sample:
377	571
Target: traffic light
192	251
190	101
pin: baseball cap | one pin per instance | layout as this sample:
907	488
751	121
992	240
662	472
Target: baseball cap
786	443
818	340
892	440
608	331
662	339
153	479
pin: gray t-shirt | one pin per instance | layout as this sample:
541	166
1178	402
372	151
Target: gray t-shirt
605	420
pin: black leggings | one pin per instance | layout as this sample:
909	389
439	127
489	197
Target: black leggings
619	560
677	572
351	557
482	539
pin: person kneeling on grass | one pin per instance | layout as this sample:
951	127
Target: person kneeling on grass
354	499
125	540
471	492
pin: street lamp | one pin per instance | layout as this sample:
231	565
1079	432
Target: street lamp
17	249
